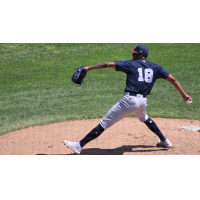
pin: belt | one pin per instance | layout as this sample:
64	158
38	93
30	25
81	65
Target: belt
137	95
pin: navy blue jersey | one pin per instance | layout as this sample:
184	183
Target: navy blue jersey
141	75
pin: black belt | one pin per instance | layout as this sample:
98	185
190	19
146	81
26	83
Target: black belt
134	94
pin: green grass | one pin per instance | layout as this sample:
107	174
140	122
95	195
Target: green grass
36	87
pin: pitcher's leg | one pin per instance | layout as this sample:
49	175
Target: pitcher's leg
93	134
120	110
115	114
143	117
154	128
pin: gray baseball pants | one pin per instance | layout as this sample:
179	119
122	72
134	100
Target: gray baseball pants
126	105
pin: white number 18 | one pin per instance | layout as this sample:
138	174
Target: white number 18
148	75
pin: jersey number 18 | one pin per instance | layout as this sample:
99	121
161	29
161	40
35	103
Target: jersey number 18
147	77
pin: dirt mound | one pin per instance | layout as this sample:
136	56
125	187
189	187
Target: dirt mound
127	137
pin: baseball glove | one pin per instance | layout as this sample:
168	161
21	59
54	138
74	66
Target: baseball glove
79	75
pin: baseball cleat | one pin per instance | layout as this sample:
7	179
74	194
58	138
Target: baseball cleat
165	143
75	146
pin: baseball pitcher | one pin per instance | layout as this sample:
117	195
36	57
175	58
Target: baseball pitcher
141	76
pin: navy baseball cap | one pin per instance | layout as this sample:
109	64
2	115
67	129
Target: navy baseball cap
141	49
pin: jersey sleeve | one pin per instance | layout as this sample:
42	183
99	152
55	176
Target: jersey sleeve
122	66
162	73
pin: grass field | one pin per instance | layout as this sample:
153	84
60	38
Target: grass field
36	87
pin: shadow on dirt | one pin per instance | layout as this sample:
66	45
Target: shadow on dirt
119	151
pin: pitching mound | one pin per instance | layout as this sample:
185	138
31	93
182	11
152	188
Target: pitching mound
127	137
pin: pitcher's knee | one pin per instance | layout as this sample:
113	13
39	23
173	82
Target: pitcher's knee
144	118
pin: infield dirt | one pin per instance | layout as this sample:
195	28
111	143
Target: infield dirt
127	137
